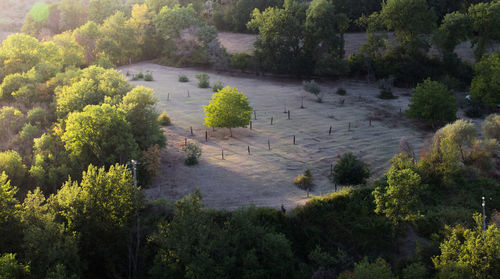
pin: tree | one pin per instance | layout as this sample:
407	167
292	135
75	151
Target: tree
11	268
432	103
485	85
73	14
471	252
350	170
491	127
379	269
304	181
485	18
18	54
93	86
117	39
9	217
12	164
409	19
11	121
100	210
72	52
139	106
86	36
99	10
454	29
228	108
99	135
399	200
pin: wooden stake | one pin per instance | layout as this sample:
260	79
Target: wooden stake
222	149
206	136
185	141
249	150
192	131
330	132
271	120
250	125
188	94
349	126
370	122
168	97
254	115
268	144
288	115
302	104
293	139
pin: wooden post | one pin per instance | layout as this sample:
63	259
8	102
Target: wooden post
271	120
185	141
370	122
293	139
206	136
249	150
254	115
192	131
288	115
400	110
268	144
222	149
250	125
302	103
330	131
349	126
188	94
168	97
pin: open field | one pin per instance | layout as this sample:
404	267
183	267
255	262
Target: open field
264	178
235	42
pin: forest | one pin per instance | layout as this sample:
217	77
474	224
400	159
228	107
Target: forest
80	143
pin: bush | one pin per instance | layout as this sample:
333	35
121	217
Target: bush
183	78
313	88
475	108
240	61
148	76
163	119
432	103
386	94
341	91
217	86
139	75
491	127
203	80
38	116
304	181
193	152
350	171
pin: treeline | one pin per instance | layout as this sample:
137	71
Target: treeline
418	221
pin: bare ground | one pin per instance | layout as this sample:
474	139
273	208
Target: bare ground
264	178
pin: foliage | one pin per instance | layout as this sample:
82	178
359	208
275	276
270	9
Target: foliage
163	119
379	269
341	91
99	135
12	164
432	103
11	268
454	29
203	80
148	76
240	61
472	252
485	85
193	152
313	88
151	161
11	121
139	106
484	19
399	200
218	85
304	181
228	108
9	219
350	170
183	78
39	116
491	127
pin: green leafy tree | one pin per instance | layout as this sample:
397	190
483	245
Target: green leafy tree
72	13
454	29
12	164
72	52
432	103
485	18
379	269
99	10
9	217
485	85
99	135
86	36
101	210
399	200
409	19
491	127
18	54
350	170
94	86
139	106
472	252
11	121
228	108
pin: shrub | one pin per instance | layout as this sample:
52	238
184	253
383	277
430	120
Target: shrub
386	94
38	116
304	181
183	78
217	86
240	60
12	164
163	119
350	170
475	108
203	80
313	88
341	91
139	75
148	76
432	103
193	152
491	127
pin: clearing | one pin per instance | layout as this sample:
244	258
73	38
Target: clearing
264	178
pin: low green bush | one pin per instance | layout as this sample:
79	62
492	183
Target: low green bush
163	119
148	76
341	91
217	86
193	152
203	80
183	78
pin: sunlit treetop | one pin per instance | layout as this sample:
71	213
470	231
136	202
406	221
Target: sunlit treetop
40	11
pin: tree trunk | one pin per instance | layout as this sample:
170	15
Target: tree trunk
231	132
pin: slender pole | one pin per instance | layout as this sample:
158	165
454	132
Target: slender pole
271	120
192	131
206	136
168	97
288	115
254	115
293	139
349	126
249	150
330	132
222	149
185	141
188	94
250	125
268	144
370	122
302	104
